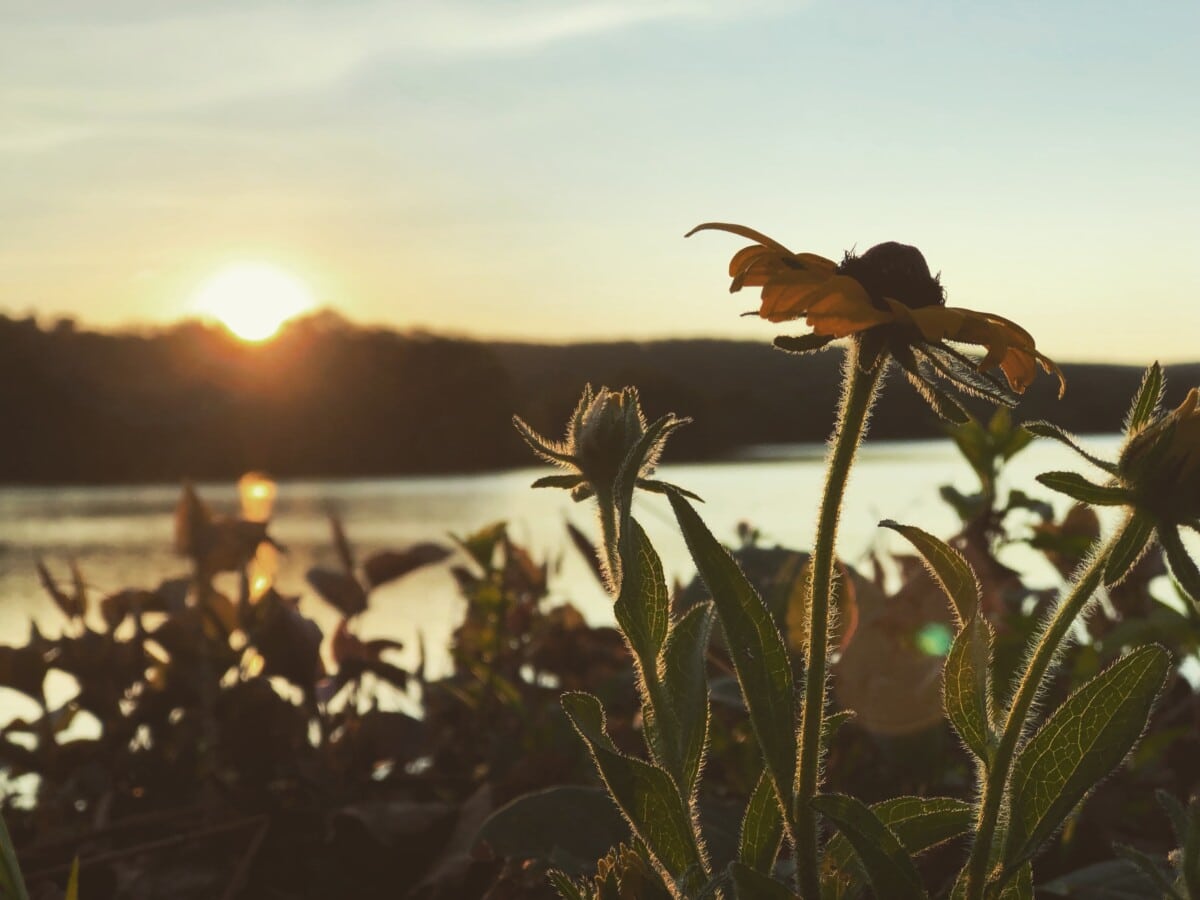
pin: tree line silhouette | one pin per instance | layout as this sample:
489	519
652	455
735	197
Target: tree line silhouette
327	398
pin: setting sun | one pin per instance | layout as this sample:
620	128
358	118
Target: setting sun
253	300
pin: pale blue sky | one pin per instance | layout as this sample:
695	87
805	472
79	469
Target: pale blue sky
527	169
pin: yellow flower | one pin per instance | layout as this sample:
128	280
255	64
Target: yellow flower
889	293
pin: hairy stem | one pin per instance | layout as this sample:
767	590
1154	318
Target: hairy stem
1017	722
857	396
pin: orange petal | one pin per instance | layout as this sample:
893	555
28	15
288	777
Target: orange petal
781	301
844	307
750	256
937	323
1018	367
741	231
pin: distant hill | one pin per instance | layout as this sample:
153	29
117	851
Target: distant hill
328	399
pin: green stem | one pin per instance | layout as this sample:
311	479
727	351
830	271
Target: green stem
857	395
1017	721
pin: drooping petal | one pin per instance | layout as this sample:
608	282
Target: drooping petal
741	231
1009	346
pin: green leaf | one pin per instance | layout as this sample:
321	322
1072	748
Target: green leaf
888	866
1021	887
756	648
752	885
566	887
1113	879
1176	813
762	828
1018	887
804	343
11	883
686	683
966	687
1079	488
919	823
481	546
647	449
558	481
564	824
643	607
645	794
1147	399
1052	431
1085	739
833	722
947	566
1154	870
1129	547
1183	567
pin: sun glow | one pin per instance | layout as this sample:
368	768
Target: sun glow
253	300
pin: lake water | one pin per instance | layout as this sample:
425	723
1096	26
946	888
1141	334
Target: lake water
122	536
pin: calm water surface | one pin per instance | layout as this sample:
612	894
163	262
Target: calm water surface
121	536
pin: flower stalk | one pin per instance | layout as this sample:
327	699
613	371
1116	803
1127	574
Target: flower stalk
1017	722
860	388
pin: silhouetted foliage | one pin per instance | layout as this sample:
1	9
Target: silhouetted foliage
326	398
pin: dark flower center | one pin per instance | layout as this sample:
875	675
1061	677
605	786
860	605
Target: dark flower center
897	271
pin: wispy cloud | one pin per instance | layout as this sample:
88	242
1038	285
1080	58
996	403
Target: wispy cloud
68	65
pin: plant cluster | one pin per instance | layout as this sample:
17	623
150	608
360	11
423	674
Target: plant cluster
928	724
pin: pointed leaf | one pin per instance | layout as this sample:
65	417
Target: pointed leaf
1130	546
1183	567
832	723
567	889
804	343
888	866
966	688
1176	813
919	823
947	566
1147	399
388	565
686	683
65	603
1084	740
1154	870
558	481
1079	488
558	824
342	544
762	828
755	645
643	607
654	486
338	589
646	795
753	885
11	882
1050	430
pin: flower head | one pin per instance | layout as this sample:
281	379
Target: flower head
608	450
1156	475
608	445
889	301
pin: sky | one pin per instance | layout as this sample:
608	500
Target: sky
528	168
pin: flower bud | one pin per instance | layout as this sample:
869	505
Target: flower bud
1161	462
604	434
